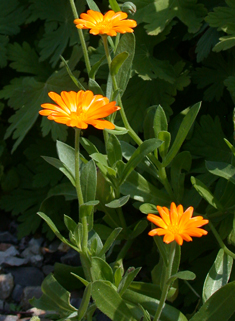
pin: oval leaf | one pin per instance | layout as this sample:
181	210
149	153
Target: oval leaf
118	202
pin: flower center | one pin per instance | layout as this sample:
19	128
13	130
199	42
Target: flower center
173	229
77	116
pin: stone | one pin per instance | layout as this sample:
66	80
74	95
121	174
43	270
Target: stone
8	317
14	261
47	269
6	237
71	258
36	260
6	285
26	275
36	312
28	293
17	293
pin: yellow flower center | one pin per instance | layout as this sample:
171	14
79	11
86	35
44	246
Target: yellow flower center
173	229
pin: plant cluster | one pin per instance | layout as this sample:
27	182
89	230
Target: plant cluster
162	74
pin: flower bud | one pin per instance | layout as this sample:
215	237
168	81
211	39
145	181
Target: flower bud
129	7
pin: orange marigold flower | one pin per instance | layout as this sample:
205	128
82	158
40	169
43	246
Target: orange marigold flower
80	109
176	224
108	24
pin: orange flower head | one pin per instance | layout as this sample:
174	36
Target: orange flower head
108	24
176	224
79	109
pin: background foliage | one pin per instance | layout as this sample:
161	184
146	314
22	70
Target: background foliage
185	53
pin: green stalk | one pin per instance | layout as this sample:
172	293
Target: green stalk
166	286
81	37
131	132
219	240
85	260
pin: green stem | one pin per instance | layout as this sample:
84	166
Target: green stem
219	240
166	286
124	249
81	37
131	132
83	219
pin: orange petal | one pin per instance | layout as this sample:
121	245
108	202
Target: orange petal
164	212
174	214
101	123
157	220
179	239
168	238
57	98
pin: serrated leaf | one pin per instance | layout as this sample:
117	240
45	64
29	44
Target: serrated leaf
222	19
59	26
158	14
3	51
26	95
217	68
12	15
205	44
208	140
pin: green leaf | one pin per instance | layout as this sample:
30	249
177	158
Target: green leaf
138	229
127	279
208	40
208	140
221	169
55	297
182	133
63	274
114	151
166	138
70	73
95	87
203	190
117	62
160	121
92	5
148	289
158	15
59	26
109	302
66	155
169	313
3	51
25	96
220	306
96	67
218	275
114	5
88	181
148	208
182	161
118	202
58	164
143	150
55	230
85	302
25	59
212	75
108	243
100	270
12	15
126	44
222	19
182	275
141	190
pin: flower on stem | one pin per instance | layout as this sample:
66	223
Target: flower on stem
80	109
109	24
176	224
